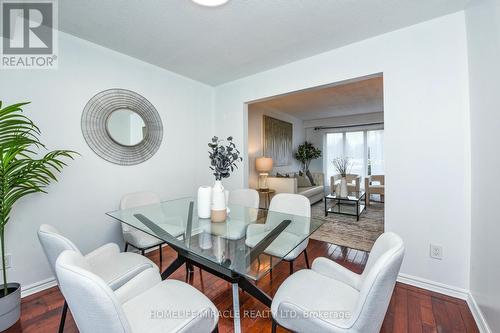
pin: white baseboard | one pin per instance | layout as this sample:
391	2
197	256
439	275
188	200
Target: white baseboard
434	286
478	315
38	286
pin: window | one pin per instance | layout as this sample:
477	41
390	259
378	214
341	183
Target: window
364	148
375	153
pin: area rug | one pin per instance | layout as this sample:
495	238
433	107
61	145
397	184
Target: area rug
346	231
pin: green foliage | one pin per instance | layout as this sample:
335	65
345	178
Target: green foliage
306	153
223	158
22	170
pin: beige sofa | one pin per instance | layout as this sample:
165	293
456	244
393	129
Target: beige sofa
289	185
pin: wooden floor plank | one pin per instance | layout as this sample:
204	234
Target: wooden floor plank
468	319
443	320
428	321
401	311
456	321
410	307
414	313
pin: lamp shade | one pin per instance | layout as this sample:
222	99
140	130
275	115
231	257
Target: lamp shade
264	164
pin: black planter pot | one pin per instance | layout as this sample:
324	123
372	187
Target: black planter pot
10	306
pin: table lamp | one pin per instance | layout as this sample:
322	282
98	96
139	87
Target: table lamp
263	165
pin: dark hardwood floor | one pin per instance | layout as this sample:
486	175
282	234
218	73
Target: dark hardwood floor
411	309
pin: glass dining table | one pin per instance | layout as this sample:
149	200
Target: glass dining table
234	250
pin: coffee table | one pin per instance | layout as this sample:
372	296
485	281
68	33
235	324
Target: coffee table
351	205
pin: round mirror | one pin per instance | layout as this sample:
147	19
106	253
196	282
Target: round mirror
126	127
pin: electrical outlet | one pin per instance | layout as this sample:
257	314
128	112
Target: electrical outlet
8	261
436	252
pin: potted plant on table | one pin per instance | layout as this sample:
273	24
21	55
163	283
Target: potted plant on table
223	161
306	152
22	172
343	167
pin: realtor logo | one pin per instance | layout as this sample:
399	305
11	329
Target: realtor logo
29	31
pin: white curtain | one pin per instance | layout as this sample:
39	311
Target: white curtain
365	148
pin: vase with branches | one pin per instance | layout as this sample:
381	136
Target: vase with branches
224	158
343	166
23	170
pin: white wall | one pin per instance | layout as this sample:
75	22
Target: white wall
90	186
426	132
255	143
483	34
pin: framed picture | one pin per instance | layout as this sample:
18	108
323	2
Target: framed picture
278	140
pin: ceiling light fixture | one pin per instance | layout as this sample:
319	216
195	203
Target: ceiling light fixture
210	3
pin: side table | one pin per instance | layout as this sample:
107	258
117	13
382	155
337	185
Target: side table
267	195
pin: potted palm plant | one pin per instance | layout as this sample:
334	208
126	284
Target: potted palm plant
22	172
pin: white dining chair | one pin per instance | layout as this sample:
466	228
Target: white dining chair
245	197
329	298
168	306
286	245
244	207
134	237
121	271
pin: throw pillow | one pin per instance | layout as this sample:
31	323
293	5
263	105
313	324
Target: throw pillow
280	175
303	181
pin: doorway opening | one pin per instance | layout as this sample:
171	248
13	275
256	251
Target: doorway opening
344	121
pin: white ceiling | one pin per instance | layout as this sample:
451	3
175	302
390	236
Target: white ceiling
355	97
243	37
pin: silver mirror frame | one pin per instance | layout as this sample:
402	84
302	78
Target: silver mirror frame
94	126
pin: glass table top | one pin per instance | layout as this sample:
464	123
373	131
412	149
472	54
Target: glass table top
250	242
351	196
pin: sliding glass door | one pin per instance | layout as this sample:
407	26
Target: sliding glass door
334	147
364	148
355	150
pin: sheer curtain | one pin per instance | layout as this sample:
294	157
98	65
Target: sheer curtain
375	141
334	149
354	149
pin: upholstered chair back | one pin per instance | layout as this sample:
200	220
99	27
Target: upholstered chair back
378	178
93	304
138	199
53	244
294	204
351	178
290	203
245	197
377	283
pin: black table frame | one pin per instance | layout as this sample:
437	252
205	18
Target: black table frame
222	271
342	201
